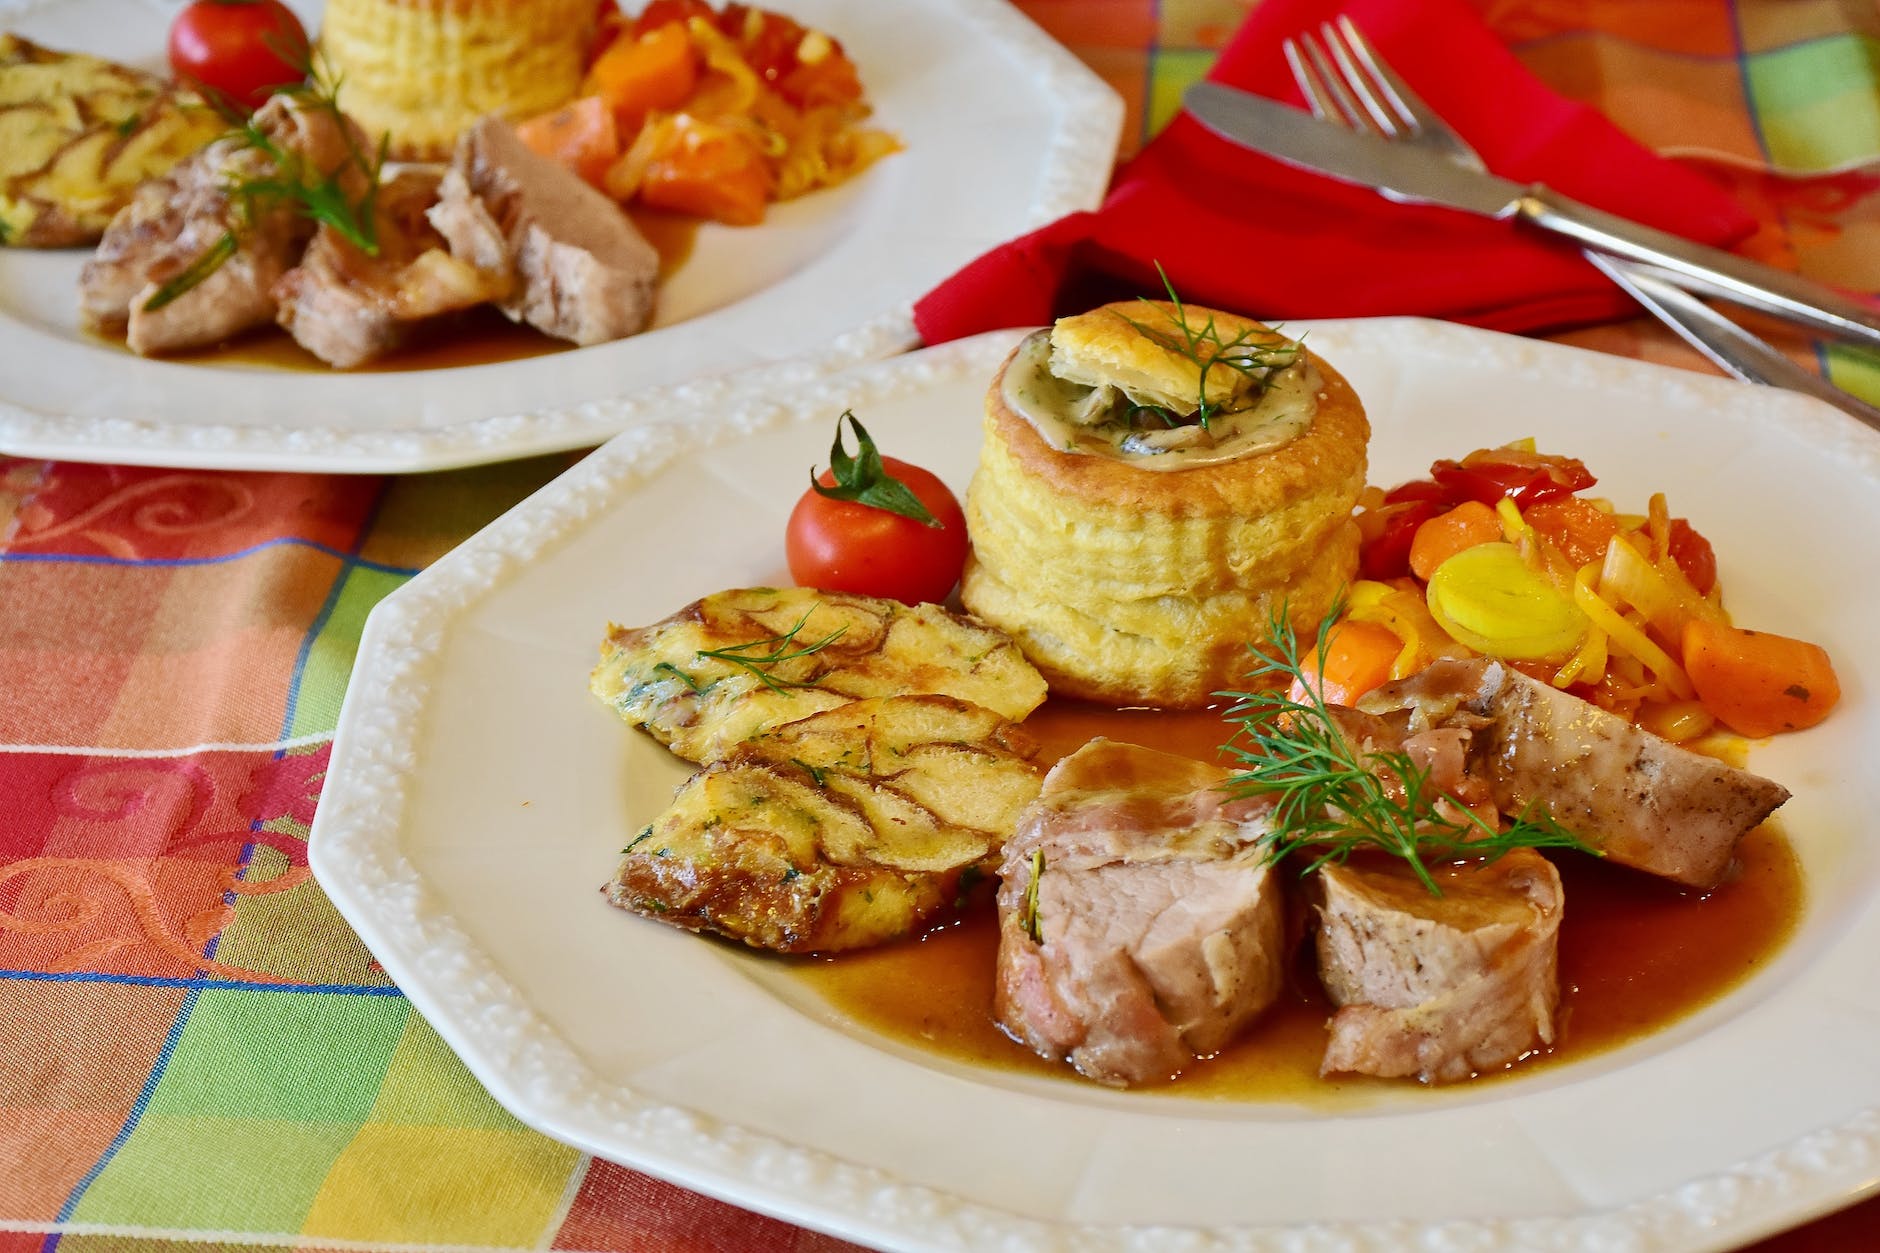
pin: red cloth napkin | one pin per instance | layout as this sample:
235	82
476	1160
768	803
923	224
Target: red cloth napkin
1240	231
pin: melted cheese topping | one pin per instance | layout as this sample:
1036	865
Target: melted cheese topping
1280	411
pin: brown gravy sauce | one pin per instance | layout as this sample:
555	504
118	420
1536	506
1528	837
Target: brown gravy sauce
480	336
1636	953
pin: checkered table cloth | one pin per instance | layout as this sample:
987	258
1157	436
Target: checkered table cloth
195	1048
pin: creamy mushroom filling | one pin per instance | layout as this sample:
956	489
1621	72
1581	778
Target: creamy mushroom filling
1106	420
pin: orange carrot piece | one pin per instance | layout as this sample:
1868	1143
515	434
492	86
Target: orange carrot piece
656	71
1358	657
709	171
580	136
1447	534
1756	683
1578	529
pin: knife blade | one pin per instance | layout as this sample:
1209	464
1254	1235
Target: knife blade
1408	174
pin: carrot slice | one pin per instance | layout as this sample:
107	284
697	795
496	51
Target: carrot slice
709	171
656	71
1358	657
1447	534
580	136
1578	529
1757	683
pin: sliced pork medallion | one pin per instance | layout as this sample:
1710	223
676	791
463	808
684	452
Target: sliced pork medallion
841	830
1643	801
176	221
348	308
1440	988
712	675
1139	927
581	270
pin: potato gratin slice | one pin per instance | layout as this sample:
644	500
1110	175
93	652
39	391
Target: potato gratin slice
714	674
844	829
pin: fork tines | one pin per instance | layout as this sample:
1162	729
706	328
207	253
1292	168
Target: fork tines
1344	81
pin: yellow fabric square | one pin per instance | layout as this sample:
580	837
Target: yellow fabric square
426	1086
437	1185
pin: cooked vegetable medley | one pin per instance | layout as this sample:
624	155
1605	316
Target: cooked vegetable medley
1501	554
712	112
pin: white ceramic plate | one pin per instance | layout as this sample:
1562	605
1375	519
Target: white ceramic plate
1004	131
478	797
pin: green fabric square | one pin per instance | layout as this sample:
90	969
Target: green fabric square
443	508
304	1057
426	1086
1856	371
1815	102
227	1174
330	660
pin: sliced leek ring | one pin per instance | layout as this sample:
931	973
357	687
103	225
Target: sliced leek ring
1489	599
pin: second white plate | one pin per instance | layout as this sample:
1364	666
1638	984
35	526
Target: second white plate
1004	131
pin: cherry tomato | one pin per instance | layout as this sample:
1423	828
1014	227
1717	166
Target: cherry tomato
240	50
846	546
1527	478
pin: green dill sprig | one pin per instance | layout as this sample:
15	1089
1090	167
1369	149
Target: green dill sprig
759	664
1331	799
1028	919
1243	354
326	197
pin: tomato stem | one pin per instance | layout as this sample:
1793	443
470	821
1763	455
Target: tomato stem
864	480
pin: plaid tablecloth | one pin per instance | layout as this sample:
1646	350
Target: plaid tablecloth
193	1045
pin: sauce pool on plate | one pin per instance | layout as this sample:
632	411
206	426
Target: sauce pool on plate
1636	953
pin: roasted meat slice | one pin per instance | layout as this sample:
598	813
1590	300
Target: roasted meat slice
581	271
1139	926
1643	801
1439	987
785	653
347	307
841	830
175	221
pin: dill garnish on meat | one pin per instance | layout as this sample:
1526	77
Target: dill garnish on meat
1334	798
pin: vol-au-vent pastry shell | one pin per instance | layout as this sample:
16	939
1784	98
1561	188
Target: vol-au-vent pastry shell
1140	586
1174	651
423	71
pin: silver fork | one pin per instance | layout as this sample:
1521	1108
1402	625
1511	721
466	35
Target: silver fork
1345	81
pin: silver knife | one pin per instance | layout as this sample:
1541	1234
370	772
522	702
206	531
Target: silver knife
1410	175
